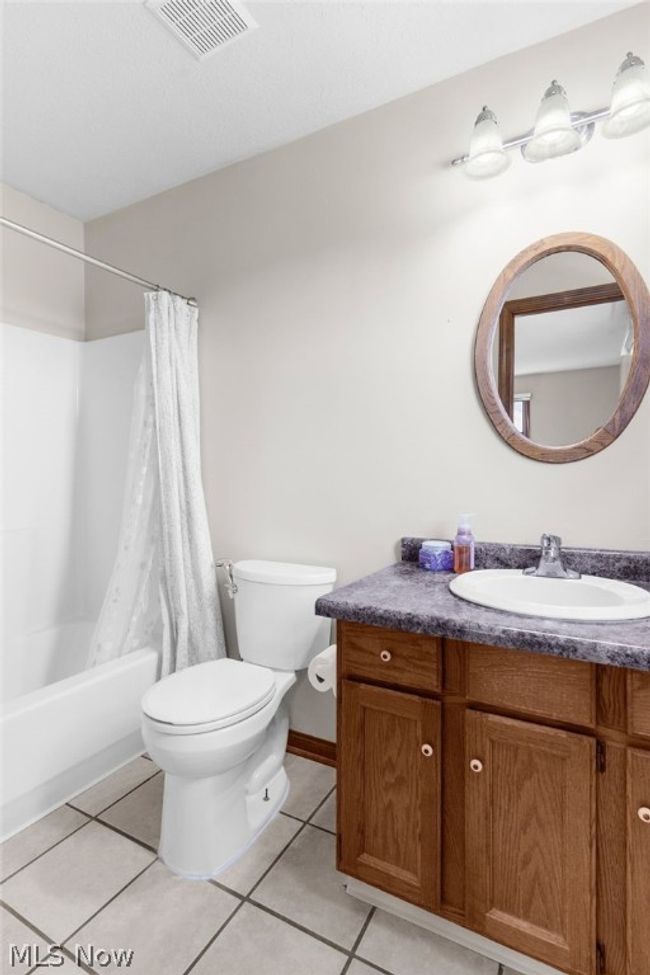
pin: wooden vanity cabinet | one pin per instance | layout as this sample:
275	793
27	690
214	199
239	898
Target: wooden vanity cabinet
506	791
639	704
638	860
389	799
531	839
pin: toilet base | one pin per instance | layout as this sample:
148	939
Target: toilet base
263	805
263	811
205	854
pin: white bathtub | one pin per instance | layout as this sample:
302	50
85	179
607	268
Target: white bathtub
62	727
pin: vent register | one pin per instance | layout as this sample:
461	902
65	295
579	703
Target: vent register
203	26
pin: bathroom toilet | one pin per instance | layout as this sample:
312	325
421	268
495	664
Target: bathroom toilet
219	729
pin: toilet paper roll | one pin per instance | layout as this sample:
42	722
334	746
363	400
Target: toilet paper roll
321	672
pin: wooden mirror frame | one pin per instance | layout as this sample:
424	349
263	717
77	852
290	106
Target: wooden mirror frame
633	290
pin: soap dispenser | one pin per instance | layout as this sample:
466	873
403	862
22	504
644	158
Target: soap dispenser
464	546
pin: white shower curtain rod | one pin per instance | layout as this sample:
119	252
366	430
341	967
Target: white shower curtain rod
73	252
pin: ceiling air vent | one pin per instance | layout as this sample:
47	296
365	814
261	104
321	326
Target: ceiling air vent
203	26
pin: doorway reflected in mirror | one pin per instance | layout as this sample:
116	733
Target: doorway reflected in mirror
565	344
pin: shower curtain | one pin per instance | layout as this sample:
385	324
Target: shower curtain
162	591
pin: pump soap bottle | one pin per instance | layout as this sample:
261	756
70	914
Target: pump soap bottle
464	546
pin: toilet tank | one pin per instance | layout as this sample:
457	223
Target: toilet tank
274	612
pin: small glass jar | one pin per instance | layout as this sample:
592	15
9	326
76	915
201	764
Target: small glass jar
436	555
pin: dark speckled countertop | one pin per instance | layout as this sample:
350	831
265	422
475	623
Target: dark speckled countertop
405	597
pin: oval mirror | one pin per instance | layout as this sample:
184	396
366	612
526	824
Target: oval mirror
562	354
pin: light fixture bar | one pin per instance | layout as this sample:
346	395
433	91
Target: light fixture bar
521	140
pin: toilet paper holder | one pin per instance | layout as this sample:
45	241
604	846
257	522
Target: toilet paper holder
321	672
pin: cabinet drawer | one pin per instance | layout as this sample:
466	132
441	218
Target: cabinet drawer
550	687
639	704
401	659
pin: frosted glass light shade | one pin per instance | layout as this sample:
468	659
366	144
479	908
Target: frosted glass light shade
630	108
487	157
554	134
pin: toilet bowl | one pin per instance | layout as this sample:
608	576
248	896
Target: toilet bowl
219	730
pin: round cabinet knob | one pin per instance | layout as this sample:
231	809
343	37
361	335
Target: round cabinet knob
427	751
644	814
385	655
476	765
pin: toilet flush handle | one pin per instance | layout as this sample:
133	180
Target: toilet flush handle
230	584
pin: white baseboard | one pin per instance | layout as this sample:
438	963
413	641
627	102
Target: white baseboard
519	963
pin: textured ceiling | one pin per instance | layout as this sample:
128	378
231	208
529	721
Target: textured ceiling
103	107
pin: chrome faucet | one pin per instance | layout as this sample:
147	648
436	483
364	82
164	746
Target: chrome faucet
550	563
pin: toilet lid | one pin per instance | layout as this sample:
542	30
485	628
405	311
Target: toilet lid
219	692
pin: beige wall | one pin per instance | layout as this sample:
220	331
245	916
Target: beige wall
340	280
41	289
568	406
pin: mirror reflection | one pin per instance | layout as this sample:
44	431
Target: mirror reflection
563	349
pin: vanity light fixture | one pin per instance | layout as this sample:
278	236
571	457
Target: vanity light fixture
554	133
559	131
487	157
630	109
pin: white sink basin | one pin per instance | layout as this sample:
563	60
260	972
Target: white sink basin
589	598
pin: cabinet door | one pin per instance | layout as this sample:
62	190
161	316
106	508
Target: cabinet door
389	791
530	840
638	861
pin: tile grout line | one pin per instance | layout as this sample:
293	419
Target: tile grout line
300	927
54	845
243	899
373	965
27	922
127	836
64	943
45	937
116	829
305	822
350	953
89	819
214	937
104	809
269	910
291	816
358	939
323	829
109	901
295	924
247	898
320	804
268	869
95	817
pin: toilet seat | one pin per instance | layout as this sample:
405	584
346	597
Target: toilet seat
209	696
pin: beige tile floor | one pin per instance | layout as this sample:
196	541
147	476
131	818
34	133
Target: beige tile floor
87	874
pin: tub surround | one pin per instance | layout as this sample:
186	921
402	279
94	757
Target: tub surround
405	597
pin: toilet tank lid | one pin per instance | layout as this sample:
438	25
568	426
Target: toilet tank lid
283	573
